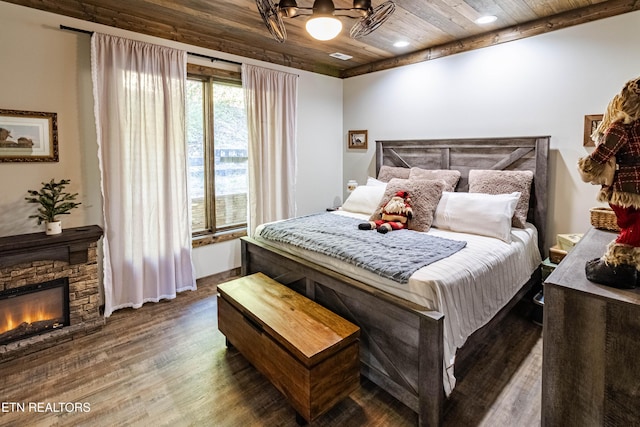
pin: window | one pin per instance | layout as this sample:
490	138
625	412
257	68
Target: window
217	155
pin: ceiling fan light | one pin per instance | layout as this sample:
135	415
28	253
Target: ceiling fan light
288	8
324	27
362	6
323	7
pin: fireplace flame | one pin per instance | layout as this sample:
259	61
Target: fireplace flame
33	309
28	315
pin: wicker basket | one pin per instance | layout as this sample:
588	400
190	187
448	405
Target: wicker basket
604	219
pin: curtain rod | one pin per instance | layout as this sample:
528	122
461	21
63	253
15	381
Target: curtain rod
214	59
199	55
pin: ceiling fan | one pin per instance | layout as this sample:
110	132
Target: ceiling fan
323	24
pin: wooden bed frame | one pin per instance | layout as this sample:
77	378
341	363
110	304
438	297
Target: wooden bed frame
401	344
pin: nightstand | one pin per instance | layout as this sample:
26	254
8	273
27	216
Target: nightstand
546	268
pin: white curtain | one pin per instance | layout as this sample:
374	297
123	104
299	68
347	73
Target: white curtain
271	104
139	96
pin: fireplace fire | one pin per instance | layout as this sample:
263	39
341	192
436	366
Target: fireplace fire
33	309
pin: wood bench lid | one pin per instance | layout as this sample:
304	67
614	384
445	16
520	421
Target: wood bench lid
306	329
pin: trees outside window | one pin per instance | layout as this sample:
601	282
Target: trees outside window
217	155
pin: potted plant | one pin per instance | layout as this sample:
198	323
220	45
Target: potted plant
53	201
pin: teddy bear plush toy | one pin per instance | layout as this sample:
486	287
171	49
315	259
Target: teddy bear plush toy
615	165
394	215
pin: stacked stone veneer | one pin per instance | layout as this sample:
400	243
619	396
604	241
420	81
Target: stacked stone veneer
84	300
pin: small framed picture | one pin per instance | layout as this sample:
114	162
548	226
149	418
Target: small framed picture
357	139
28	136
591	123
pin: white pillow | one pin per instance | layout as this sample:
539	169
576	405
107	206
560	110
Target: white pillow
477	213
364	199
371	181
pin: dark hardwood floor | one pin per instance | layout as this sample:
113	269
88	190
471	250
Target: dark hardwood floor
166	364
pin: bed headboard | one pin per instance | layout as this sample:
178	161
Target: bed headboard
518	153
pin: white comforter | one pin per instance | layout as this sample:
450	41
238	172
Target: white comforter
469	287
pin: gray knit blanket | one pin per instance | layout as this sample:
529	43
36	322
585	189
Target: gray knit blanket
395	255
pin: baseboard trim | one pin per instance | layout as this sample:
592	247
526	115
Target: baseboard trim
215	279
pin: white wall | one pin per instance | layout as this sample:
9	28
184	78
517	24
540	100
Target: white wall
542	85
43	71
48	69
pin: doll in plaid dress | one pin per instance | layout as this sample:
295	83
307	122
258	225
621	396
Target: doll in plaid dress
615	164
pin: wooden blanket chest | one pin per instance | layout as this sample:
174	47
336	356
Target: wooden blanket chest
307	352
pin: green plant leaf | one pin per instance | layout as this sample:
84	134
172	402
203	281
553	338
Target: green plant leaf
53	200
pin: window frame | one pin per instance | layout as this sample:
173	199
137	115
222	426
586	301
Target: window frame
212	234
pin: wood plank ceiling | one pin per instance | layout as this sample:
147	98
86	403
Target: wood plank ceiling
433	28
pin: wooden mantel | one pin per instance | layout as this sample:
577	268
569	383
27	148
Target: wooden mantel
70	246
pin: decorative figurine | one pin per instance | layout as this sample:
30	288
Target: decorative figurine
615	165
393	215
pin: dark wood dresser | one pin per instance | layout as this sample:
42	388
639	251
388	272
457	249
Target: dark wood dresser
591	345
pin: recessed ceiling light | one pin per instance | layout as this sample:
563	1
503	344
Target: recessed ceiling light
342	56
486	19
401	43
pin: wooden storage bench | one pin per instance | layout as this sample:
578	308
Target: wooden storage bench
309	353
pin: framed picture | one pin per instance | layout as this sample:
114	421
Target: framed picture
591	123
357	139
28	136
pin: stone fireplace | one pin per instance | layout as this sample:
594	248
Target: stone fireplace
49	289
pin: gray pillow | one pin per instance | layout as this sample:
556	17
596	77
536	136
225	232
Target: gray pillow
425	195
387	173
450	177
504	182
